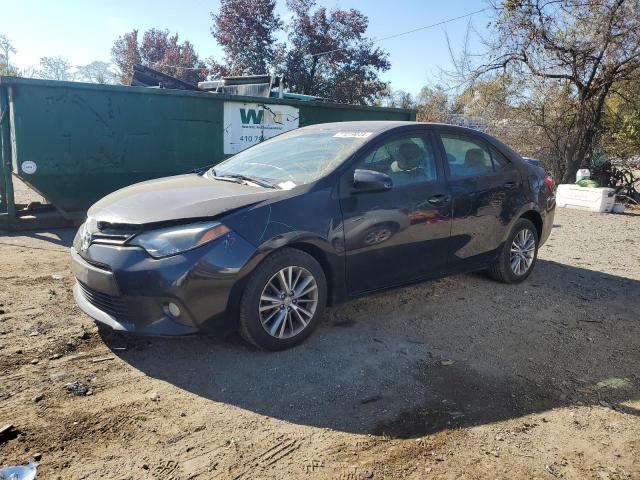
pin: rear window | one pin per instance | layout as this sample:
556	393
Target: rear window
466	156
469	157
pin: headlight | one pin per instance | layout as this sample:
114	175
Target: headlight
172	240
78	238
82	240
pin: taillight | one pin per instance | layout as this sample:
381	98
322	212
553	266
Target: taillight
549	181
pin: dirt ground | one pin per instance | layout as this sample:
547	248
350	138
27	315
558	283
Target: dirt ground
457	378
24	195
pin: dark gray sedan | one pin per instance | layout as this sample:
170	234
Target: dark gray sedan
265	240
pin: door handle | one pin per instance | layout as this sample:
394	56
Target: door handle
511	185
439	199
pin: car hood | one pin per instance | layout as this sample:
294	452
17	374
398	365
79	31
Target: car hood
176	198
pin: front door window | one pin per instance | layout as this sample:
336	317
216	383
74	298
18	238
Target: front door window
406	160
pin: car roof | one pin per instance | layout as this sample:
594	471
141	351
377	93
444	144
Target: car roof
367	125
379	126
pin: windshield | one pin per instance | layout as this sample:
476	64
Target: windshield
294	158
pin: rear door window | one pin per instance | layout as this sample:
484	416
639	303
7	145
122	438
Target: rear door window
466	156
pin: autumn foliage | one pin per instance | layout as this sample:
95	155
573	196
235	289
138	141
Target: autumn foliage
246	30
159	50
321	52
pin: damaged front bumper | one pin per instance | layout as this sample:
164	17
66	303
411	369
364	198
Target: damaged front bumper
126	289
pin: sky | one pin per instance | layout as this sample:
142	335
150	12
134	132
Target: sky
82	31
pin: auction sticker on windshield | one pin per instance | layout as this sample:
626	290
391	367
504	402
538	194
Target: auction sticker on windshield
352	134
288	185
246	124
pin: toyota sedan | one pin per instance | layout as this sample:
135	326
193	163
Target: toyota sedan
265	240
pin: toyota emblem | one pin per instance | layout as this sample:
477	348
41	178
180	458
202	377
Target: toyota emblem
85	241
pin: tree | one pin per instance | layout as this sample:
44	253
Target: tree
126	54
246	31
96	72
29	72
395	99
6	49
491	98
329	55
158	50
621	135
570	55
433	104
55	68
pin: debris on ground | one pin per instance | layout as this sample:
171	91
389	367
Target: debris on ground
102	359
38	397
22	472
447	363
84	335
77	388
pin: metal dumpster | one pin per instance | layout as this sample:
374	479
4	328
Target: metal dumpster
74	142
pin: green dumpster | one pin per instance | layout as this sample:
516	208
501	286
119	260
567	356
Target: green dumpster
74	142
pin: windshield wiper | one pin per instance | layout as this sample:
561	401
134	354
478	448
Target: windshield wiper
203	170
244	178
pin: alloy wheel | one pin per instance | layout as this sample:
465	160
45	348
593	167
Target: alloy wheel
288	302
523	250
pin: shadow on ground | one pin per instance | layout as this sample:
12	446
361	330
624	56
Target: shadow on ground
459	351
62	237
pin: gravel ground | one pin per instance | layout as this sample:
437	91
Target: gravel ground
457	378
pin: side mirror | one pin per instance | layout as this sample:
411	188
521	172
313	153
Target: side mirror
371	181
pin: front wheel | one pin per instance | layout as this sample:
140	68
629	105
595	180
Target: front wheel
519	254
283	300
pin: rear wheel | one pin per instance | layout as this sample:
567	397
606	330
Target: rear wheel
283	300
519	254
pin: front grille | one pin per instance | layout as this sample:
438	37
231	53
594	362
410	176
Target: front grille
110	238
114	233
110	304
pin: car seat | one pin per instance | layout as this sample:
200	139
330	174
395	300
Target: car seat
474	161
408	163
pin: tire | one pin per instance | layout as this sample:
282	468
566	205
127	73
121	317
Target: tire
261	317
501	270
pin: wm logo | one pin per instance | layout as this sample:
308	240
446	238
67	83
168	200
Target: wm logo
251	116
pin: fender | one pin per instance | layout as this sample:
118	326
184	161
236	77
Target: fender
331	260
525	208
